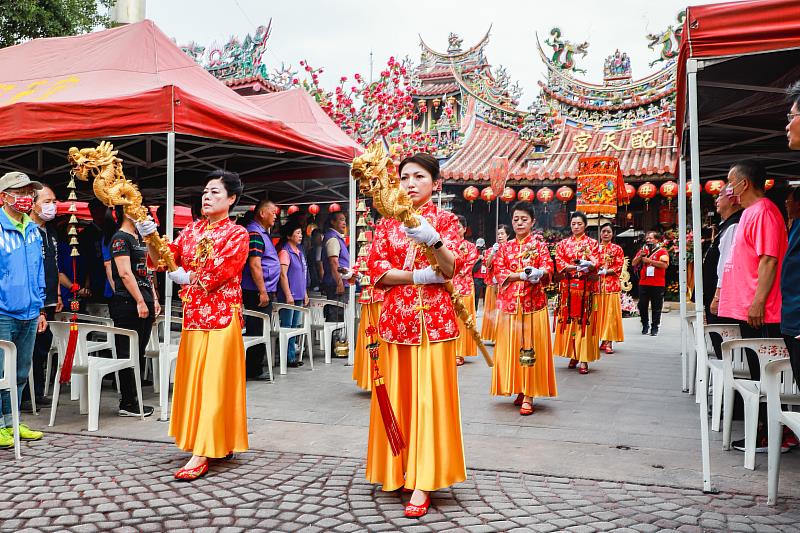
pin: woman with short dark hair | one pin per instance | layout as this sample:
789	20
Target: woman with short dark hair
292	282
609	304
209	410
489	321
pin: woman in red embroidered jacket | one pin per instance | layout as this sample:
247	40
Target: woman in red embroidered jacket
523	268
209	412
489	321
576	323
609	305
418	325
467	257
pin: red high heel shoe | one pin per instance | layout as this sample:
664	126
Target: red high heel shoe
583	370
526	411
608	349
459	360
416	511
572	363
190	474
519	399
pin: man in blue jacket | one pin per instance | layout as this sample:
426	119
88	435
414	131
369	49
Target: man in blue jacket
21	288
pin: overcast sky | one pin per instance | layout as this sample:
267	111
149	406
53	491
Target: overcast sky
339	35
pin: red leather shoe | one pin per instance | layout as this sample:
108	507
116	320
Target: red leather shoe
572	363
526	411
518	400
583	370
459	360
191	474
608	349
416	511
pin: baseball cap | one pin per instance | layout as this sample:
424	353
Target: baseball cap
15	180
480	243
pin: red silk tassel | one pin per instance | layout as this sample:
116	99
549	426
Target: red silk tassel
390	424
69	357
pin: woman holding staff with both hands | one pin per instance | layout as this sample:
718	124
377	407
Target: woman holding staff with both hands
209	411
609	305
523	268
419	327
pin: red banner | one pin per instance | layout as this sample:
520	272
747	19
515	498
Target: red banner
599	183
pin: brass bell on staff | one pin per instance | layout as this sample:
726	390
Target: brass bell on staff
527	357
342	348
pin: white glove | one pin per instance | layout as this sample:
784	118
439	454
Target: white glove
179	276
531	274
148	227
348	274
585	264
426	276
422	234
495	247
603	271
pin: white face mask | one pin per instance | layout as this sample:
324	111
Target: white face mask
48	212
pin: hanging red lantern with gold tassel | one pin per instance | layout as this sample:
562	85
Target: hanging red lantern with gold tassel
545	196
471	194
647	191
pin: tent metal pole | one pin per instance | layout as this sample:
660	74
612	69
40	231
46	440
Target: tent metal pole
164	374
699	330
350	315
682	268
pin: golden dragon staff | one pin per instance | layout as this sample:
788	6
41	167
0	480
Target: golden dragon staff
377	177
112	188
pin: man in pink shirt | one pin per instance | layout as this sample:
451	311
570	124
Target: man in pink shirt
750	292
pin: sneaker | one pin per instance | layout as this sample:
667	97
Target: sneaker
6	438
133	410
43	401
645	329
762	445
26	433
654	331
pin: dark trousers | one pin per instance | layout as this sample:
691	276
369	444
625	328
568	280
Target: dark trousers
653	298
41	349
480	289
124	314
254	360
793	345
748	332
716	339
333	313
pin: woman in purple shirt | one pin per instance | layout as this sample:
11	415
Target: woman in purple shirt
293	282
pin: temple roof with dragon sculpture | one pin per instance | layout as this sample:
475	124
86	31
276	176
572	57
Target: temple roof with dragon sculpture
472	111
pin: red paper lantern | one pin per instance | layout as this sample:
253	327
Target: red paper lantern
565	194
488	194
666	216
471	194
525	195
544	195
714	187
769	184
627	195
277	210
313	209
292	209
509	195
647	191
334	207
669	190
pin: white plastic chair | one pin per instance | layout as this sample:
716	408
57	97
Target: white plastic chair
166	367
714	369
265	338
323	329
92	346
751	391
9	383
282	334
94	368
778	382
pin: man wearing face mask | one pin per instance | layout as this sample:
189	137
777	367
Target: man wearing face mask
22	289
44	210
750	292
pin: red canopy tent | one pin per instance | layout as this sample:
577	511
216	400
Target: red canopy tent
735	62
183	215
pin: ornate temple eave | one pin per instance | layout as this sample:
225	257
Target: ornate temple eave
620	107
467	89
460	56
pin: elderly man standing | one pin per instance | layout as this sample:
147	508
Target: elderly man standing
790	275
22	290
336	265
750	292
260	281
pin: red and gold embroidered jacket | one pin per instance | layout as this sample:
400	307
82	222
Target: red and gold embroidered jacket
513	257
572	248
210	301
611	258
468	255
408	308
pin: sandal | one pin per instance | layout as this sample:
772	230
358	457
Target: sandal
190	474
609	350
417	511
526	411
583	370
572	363
459	360
518	400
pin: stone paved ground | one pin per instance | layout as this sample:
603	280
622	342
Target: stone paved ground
86	484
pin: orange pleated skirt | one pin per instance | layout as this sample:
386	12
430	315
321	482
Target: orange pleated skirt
609	317
209	404
422	385
489	322
575	343
362	365
467	347
508	376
